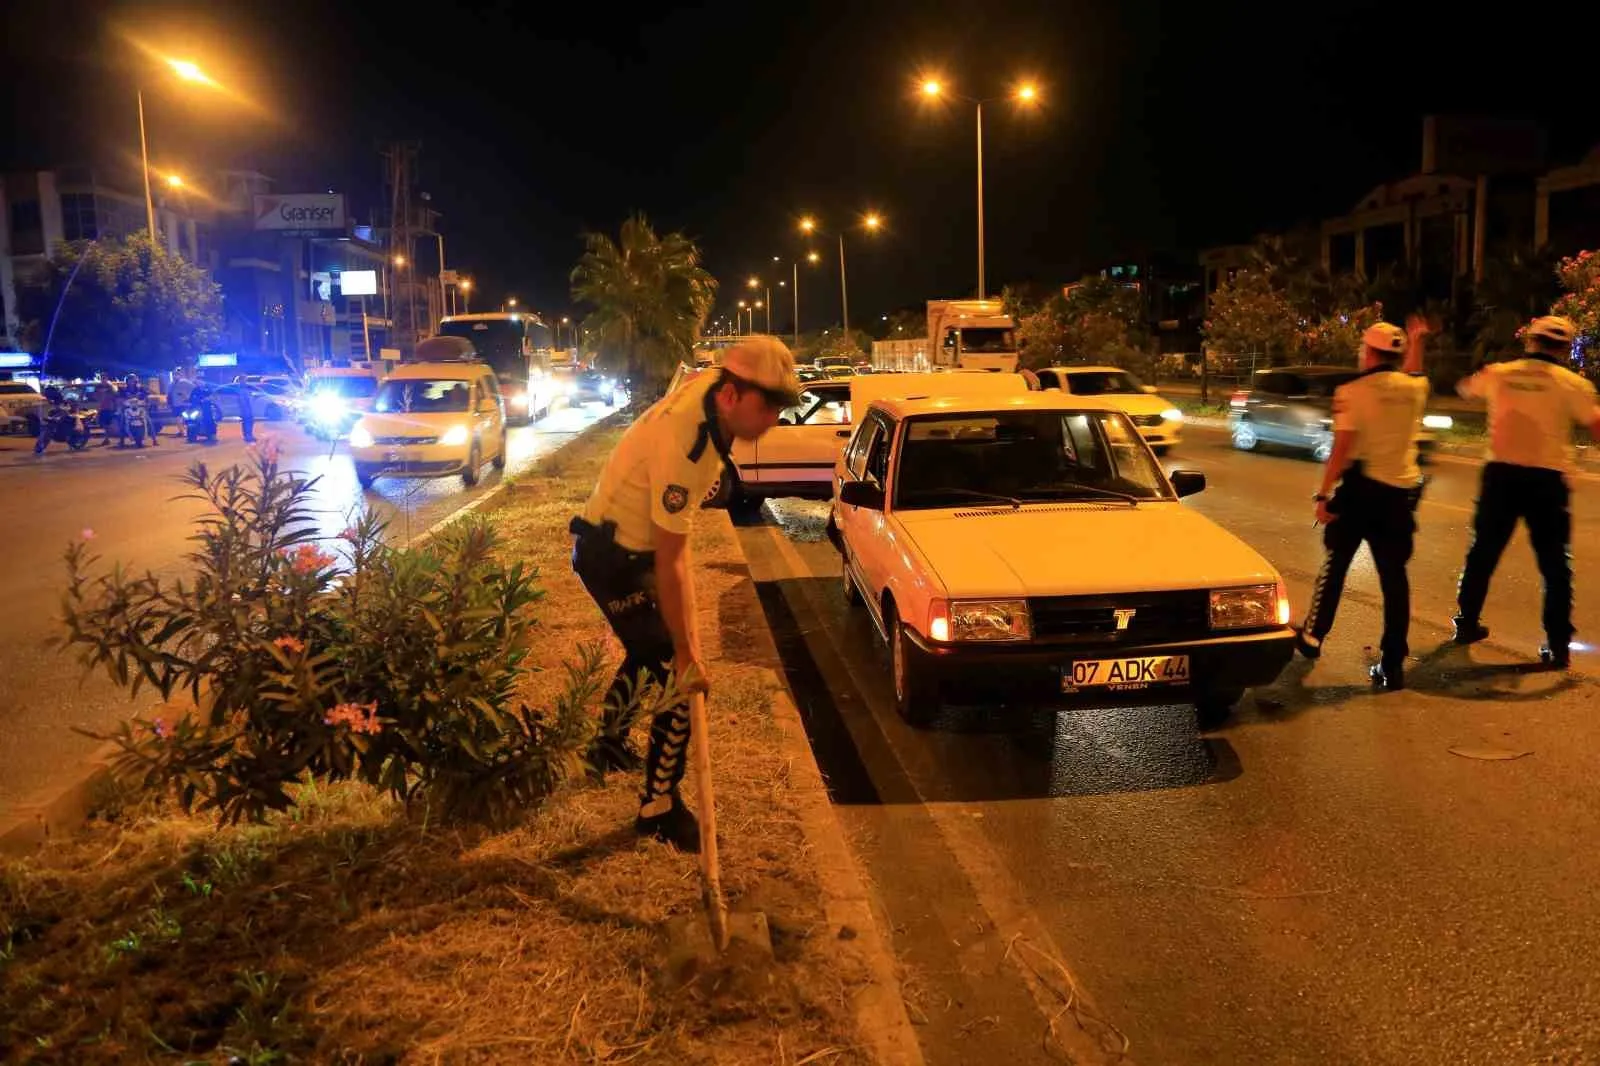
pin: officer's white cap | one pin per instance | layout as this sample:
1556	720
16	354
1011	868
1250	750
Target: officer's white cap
1385	337
1552	331
766	363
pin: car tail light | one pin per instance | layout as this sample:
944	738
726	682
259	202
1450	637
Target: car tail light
939	620
1240	398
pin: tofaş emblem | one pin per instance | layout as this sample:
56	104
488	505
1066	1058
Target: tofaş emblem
674	499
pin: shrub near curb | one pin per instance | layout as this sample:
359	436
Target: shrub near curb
399	668
339	931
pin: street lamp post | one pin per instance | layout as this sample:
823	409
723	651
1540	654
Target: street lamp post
188	72
1025	93
757	283
464	287
871	222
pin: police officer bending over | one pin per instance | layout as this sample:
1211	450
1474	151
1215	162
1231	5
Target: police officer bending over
631	551
1374	462
1533	404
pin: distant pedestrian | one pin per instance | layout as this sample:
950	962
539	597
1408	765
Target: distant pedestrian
107	410
1533	404
1374	463
247	414
630	550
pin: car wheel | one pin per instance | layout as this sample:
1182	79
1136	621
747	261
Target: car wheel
916	697
366	475
1322	451
500	456
852	595
1244	437
1212	707
469	476
34	423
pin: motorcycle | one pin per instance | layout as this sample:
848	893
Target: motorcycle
136	420
63	423
200	419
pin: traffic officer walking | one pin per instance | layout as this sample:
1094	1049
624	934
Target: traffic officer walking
631	552
1374	462
1533	404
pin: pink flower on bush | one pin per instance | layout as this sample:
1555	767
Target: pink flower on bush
291	645
359	717
308	559
350	533
159	728
88	534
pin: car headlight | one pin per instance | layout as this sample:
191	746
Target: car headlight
454	437
1248	608
962	620
569	388
326	407
360	437
1437	421
519	399
1172	414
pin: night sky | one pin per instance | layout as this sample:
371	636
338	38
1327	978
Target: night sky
1165	127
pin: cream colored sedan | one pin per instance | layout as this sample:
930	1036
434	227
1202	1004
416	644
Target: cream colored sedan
1030	549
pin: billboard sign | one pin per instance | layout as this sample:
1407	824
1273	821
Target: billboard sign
215	359
302	214
359	283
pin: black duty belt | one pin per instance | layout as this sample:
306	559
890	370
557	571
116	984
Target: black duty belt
604	536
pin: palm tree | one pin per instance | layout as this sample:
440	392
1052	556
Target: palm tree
650	297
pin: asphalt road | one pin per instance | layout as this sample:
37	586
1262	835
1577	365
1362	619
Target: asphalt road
1337	876
127	499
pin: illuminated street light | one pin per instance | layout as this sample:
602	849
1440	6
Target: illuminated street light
174	181
186	71
400	261
1026	93
872	222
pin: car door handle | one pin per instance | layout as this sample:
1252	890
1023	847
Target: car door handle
841	433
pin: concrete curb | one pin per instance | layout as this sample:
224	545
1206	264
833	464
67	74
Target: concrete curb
65	809
847	903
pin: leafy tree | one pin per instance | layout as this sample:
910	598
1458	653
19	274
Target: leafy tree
1100	322
128	305
650	297
1250	315
1580	277
1336	337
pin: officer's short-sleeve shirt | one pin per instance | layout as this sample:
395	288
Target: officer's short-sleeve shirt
1533	404
650	480
1383	410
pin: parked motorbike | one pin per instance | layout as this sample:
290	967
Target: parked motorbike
200	417
62	422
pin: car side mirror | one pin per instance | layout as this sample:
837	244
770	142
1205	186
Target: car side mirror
1187	482
861	494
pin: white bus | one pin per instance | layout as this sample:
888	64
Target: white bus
518	347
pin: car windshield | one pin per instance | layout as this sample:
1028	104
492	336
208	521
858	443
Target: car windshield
817	407
987	339
351	388
420	395
1101	382
13	388
1029	456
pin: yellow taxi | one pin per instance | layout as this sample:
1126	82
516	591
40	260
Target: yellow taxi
1030	548
432	420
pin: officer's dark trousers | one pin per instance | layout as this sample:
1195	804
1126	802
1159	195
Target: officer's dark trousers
1540	498
1379	515
622	583
247	418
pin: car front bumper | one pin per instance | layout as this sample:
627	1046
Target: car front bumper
411	460
1032	673
1164	435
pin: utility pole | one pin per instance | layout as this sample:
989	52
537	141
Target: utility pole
401	160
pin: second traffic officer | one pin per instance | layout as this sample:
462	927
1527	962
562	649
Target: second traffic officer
1374	463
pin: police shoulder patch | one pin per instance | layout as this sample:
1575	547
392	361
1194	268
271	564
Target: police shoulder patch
674	498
